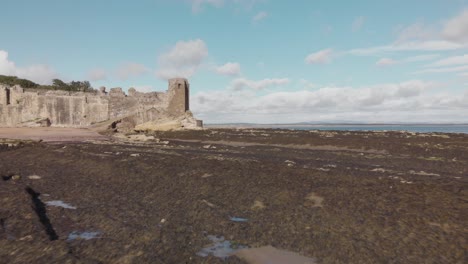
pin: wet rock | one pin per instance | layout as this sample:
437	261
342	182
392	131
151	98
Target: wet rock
141	137
423	173
314	200
258	205
207	175
34	177
208	203
271	255
379	170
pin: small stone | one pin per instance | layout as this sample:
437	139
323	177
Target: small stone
15	177
290	163
316	200
26	238
207	175
207	146
258	205
135	155
163	221
34	177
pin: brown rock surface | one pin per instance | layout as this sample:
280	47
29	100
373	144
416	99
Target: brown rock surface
158	206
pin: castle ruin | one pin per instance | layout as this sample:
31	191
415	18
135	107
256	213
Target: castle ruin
35	107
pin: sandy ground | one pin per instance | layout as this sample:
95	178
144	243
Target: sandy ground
51	134
213	196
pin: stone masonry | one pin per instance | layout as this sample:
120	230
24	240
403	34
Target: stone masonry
32	107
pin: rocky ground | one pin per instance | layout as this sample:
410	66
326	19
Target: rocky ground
336	197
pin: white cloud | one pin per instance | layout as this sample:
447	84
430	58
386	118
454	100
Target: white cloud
197	5
453	35
247	4
306	84
97	75
445	69
131	69
358	23
455	60
229	69
260	16
413	100
433	45
320	57
425	57
456	29
416	32
241	83
383	62
143	88
38	73
183	60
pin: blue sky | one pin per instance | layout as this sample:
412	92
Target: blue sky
264	61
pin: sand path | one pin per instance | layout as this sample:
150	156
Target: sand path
51	134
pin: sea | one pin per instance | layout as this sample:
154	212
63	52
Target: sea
411	128
419	128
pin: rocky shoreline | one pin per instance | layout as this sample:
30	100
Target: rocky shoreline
189	196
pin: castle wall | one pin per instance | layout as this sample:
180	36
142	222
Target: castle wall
65	109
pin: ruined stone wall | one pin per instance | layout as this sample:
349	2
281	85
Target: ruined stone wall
63	109
19	107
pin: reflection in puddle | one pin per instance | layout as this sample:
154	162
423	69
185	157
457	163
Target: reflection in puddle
82	235
220	248
59	203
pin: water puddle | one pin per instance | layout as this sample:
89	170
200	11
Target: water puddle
59	203
82	235
220	248
238	219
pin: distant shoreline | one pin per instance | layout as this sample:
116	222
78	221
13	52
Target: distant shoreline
335	124
418	128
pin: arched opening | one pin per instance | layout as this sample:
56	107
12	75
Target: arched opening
7	96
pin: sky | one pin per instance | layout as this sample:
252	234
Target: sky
257	61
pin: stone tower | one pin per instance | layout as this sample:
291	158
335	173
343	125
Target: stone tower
179	93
